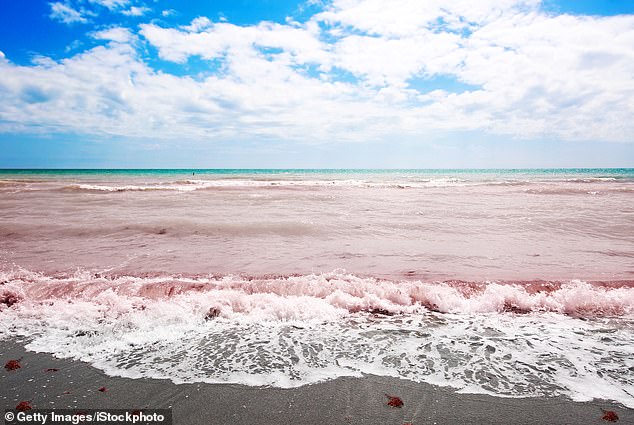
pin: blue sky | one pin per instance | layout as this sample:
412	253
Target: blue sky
324	84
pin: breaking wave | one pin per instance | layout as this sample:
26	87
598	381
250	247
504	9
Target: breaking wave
536	338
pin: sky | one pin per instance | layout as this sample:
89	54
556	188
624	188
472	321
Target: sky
316	84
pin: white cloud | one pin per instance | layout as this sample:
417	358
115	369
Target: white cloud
356	71
123	96
117	34
407	17
72	11
210	40
198	24
392	61
111	4
136	11
64	13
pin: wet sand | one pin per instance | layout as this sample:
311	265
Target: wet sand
341	401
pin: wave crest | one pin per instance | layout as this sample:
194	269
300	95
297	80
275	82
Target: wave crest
332	294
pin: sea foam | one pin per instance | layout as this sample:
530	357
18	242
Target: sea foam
514	339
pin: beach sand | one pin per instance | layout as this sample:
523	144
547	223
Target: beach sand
341	401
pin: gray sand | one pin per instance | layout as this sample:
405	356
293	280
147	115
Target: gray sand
342	401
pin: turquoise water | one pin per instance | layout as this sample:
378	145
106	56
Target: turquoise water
621	173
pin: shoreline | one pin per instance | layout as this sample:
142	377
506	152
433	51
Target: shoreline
341	401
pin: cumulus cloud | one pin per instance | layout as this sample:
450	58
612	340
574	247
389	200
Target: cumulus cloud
71	11
357	70
124	96
136	11
409	17
210	40
63	12
111	4
117	34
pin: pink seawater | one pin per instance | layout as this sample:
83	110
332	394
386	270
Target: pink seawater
523	227
512	283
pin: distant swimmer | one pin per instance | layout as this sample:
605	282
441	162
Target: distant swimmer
193	173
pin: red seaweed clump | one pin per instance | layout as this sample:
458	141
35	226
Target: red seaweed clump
380	312
103	389
9	298
610	416
13	365
23	406
212	313
510	307
431	306
394	401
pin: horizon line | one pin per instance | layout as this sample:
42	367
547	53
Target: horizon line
313	168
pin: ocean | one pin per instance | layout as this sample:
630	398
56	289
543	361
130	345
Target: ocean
516	283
